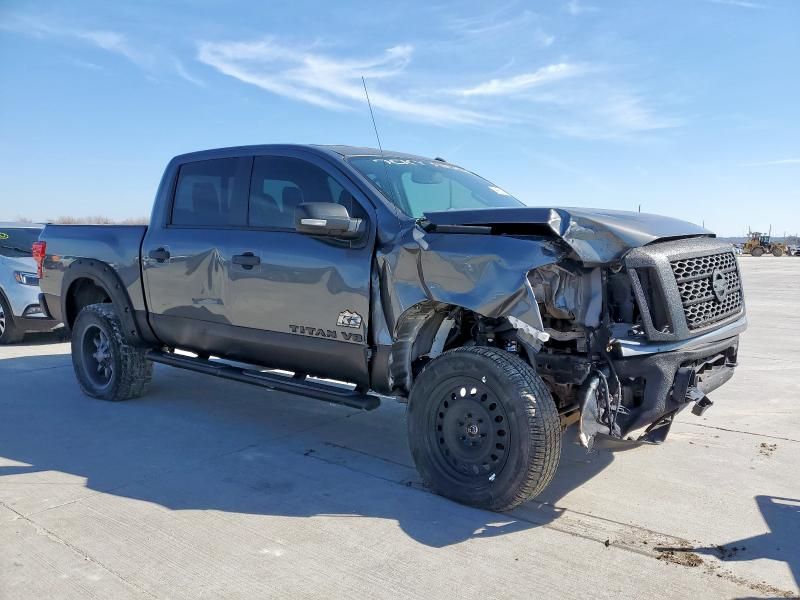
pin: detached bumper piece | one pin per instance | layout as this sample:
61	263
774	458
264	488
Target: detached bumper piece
653	390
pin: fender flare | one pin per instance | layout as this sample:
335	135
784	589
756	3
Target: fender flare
106	278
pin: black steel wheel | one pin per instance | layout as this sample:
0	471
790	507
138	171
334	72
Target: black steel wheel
471	427
483	428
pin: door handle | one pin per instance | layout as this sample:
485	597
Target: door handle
159	254
248	260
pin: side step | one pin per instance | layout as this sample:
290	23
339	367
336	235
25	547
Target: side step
280	383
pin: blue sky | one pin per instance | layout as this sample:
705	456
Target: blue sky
688	107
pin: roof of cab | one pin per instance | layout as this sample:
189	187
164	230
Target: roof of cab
337	151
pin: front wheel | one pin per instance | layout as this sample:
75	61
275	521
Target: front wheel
777	252
483	428
757	251
106	365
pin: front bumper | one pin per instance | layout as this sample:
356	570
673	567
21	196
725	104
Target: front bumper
28	312
624	347
35	324
667	375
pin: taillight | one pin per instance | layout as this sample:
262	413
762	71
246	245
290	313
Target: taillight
38	250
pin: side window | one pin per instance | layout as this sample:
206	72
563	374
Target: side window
279	184
212	193
342	196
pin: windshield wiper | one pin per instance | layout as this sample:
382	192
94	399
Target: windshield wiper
473	229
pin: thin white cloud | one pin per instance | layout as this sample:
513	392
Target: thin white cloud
605	114
111	41
577	8
771	163
490	22
523	82
739	3
567	99
183	73
497	22
150	60
328	81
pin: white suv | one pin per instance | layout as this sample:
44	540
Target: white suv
20	310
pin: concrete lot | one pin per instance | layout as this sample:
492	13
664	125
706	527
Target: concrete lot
207	488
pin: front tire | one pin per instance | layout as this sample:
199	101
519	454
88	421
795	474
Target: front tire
777	252
106	365
483	428
757	252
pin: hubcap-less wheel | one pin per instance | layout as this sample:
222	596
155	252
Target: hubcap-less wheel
2	320
483	428
98	363
471	429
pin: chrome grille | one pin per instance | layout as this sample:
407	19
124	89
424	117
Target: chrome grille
694	277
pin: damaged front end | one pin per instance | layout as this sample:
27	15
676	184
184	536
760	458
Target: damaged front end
627	318
668	336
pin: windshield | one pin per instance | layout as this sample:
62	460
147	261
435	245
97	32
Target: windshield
17	241
419	185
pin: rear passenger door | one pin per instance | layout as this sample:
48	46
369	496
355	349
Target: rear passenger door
308	296
186	260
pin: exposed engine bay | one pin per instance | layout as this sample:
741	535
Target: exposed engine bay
592	318
610	346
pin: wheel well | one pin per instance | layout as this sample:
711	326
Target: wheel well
83	292
425	328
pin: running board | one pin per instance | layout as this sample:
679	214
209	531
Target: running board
280	383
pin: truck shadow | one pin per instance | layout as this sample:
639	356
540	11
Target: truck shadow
198	443
781	543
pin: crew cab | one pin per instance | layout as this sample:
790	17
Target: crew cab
413	278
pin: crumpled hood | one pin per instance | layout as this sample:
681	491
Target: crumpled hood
596	235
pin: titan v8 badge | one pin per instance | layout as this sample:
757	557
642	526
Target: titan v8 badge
347	336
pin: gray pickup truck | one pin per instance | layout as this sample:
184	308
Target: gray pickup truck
498	323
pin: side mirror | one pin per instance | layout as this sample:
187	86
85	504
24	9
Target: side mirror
326	219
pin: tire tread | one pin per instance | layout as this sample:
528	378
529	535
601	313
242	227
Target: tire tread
544	427
136	372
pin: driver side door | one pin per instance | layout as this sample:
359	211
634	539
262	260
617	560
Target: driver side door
306	298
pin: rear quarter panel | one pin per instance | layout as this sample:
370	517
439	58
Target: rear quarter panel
117	246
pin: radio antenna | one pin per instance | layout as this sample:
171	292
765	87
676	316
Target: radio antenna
372	115
378	137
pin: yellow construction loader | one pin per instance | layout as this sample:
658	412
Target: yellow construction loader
760	244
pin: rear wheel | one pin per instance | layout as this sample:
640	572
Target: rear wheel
777	252
106	365
483	428
9	332
758	251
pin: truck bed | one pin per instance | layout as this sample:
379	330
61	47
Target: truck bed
116	245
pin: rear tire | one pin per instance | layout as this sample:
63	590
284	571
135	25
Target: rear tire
107	366
777	252
9	332
483	428
757	251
